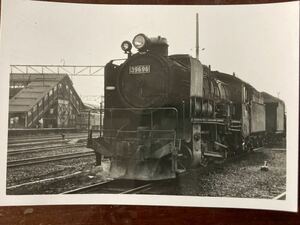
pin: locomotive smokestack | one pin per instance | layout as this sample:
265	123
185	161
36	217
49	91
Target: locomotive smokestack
197	36
158	45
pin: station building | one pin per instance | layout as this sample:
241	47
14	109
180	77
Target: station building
43	101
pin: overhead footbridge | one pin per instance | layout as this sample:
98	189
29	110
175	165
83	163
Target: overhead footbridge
43	96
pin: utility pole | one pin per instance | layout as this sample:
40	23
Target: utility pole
197	36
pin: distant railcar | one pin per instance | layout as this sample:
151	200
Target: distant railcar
89	119
165	113
275	118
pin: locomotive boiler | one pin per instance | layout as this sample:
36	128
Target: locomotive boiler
166	113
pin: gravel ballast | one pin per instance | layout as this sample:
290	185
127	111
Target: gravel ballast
30	173
241	178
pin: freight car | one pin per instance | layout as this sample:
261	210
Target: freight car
167	113
275	118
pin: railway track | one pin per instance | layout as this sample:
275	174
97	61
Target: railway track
43	149
37	136
44	142
118	186
45	159
39	139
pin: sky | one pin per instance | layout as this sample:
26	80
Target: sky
260	43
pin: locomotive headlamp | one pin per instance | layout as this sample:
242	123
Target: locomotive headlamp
126	46
140	41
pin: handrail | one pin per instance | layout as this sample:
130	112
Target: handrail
141	109
171	134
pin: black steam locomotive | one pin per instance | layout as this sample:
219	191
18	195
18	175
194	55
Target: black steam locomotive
167	113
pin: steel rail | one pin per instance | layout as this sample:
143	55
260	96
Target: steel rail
43	180
44	136
46	159
85	188
112	187
41	143
281	196
43	149
16	145
37	139
19	145
134	190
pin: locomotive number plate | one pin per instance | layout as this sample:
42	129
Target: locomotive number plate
139	69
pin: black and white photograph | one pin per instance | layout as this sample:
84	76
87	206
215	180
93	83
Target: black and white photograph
149	105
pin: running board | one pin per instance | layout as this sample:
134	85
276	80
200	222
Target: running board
221	145
180	171
213	154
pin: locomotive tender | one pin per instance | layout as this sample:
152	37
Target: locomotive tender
165	113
